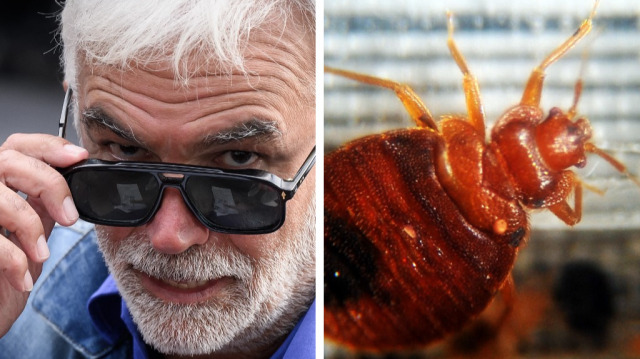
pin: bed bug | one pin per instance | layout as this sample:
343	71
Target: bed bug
423	225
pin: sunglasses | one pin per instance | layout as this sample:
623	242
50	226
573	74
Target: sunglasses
128	194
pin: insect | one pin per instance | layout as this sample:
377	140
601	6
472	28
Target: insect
423	225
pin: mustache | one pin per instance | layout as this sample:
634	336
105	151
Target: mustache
197	263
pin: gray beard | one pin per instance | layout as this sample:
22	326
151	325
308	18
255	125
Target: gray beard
263	304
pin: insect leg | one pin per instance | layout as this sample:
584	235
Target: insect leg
411	101
469	83
567	214
577	88
533	89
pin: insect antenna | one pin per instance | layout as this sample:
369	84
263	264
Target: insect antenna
531	95
584	29
590	147
577	91
619	166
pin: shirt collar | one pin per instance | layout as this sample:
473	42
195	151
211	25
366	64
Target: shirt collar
111	317
104	308
301	342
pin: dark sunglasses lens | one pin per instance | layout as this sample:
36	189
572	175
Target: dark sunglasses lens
236	203
113	197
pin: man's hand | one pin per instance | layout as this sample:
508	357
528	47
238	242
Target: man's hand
27	165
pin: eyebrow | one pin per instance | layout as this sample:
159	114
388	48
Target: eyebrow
256	129
96	117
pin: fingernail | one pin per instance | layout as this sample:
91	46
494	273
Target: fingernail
28	282
73	149
43	249
70	209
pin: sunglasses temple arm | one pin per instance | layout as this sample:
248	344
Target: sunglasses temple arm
301	175
62	125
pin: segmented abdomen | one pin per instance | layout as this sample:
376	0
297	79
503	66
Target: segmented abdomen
402	266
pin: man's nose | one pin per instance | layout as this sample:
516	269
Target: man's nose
174	228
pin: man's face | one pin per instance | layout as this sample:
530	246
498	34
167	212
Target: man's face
189	289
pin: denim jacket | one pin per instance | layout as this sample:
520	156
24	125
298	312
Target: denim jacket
56	324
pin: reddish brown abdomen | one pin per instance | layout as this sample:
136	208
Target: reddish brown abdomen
402	266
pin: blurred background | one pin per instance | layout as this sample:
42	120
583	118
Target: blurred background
579	287
30	78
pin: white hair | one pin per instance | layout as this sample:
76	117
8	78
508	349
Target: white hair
123	33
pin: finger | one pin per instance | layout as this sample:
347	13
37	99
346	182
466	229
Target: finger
23	167
53	150
39	180
47	222
19	218
14	266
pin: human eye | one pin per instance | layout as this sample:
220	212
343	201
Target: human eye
239	159
123	152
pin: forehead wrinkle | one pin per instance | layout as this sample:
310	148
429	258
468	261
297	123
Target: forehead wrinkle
96	117
254	129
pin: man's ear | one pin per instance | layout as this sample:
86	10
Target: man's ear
65	85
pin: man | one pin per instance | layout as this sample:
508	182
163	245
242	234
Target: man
202	262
